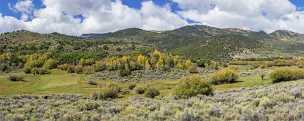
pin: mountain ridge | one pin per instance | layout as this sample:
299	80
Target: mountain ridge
196	26
197	41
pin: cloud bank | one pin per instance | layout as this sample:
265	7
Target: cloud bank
75	17
266	15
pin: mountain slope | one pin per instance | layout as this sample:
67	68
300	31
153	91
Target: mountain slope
199	41
286	35
287	41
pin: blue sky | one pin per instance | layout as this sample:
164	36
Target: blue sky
5	9
4	5
299	4
150	15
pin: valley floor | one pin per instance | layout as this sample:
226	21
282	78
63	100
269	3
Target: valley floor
60	82
277	102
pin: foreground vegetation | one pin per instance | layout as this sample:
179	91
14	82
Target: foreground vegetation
279	102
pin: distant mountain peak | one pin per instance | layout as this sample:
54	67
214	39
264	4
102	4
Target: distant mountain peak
285	34
124	32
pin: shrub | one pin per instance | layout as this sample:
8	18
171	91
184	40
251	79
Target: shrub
27	70
296	92
213	65
100	66
201	63
15	117
88	70
105	47
224	76
71	116
286	74
192	86
125	71
140	90
36	60
188	64
190	116
78	69
112	63
132	86
193	69
109	92
15	77
87	105
50	64
86	62
135	66
70	69
281	62
152	92
92	82
39	71
3	67
64	67
118	49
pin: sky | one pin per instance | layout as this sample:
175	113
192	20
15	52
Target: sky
76	17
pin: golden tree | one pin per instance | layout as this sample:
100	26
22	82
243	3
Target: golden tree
147	65
188	64
160	63
141	59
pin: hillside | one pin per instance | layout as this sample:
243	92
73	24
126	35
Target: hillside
287	41
207	42
198	42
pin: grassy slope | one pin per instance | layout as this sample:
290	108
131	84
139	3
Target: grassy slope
57	82
244	82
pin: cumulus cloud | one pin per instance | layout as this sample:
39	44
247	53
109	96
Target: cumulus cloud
8	23
293	22
25	7
111	17
76	17
158	18
266	15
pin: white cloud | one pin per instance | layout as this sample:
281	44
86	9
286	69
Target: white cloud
267	15
157	18
293	22
111	17
223	19
99	16
8	23
25	7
